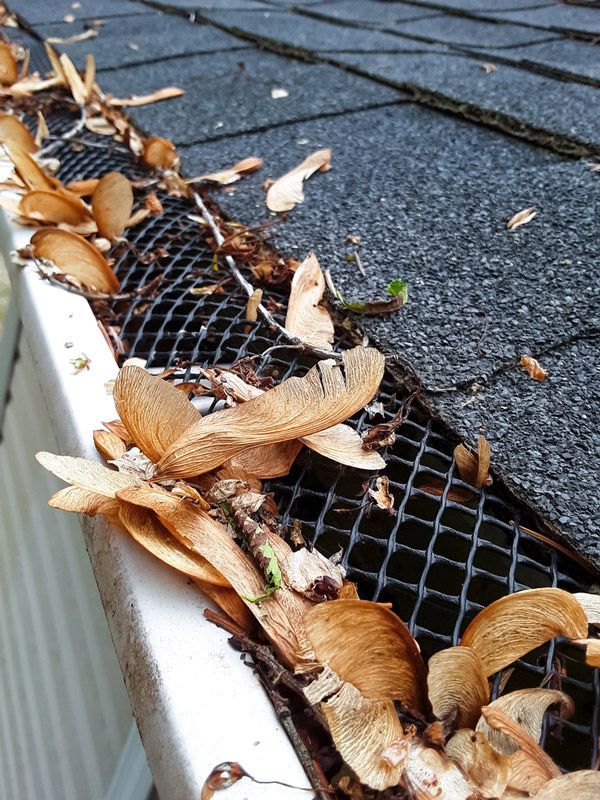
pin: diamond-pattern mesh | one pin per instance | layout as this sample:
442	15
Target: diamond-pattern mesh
436	560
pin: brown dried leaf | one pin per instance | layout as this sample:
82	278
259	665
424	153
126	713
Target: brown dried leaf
474	468
488	770
287	191
159	153
86	474
280	615
252	305
143	526
584	784
379	656
145	99
54	207
15	133
528	708
109	445
231	174
305	318
30	172
382	495
457	683
533	368
521	218
9	70
112	203
76	85
75	256
154	412
520	622
297	407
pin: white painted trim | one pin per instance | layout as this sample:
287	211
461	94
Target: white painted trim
132	779
196	703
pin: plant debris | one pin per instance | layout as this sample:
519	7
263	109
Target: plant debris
473	467
397	288
231	174
287	191
521	218
146	99
533	368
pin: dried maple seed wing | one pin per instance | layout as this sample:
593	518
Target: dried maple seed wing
112	203
154	412
483	462
270	461
295	408
30	172
89	475
145	99
591	605
109	445
581	785
54	207
76	85
520	622
75	256
466	464
16	134
143	526
488	770
305	318
379	656
521	218
527	707
159	153
457	682
83	188
9	70
287	191
84	501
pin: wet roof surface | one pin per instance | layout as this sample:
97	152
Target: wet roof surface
428	189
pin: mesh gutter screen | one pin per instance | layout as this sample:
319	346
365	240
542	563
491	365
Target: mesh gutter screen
436	560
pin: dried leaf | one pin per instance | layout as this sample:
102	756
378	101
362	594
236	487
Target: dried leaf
54	207
382	494
154	412
144	527
474	468
83	501
313	575
159	153
379	657
287	191
457	683
76	85
297	407
305	318
231	174
109	445
30	172
533	368
528	708
221	777
75	256
112	203
584	784
145	99
15	133
521	218
252	305
9	70
489	770
520	622
91	33
89	475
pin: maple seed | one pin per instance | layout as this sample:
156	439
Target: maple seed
521	218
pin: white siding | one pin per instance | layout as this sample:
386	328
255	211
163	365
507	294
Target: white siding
65	712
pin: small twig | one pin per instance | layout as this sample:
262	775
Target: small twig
70	135
359	264
302	347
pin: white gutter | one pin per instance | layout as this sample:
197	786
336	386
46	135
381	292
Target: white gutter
196	704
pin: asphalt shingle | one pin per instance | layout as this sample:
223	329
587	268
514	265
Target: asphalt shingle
35	11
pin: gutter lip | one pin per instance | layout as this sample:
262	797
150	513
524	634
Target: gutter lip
196	703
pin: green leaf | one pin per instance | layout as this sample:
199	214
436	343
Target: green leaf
398	287
271	572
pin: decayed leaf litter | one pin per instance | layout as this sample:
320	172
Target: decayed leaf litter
187	488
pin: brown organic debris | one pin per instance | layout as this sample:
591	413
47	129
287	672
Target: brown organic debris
305	318
15	133
159	153
521	218
146	99
286	192
230	174
382	495
112	204
472	467
9	69
73	255
533	368
457	684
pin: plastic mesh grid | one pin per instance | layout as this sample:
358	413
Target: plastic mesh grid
436	560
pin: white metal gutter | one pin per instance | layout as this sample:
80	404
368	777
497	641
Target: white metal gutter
195	702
